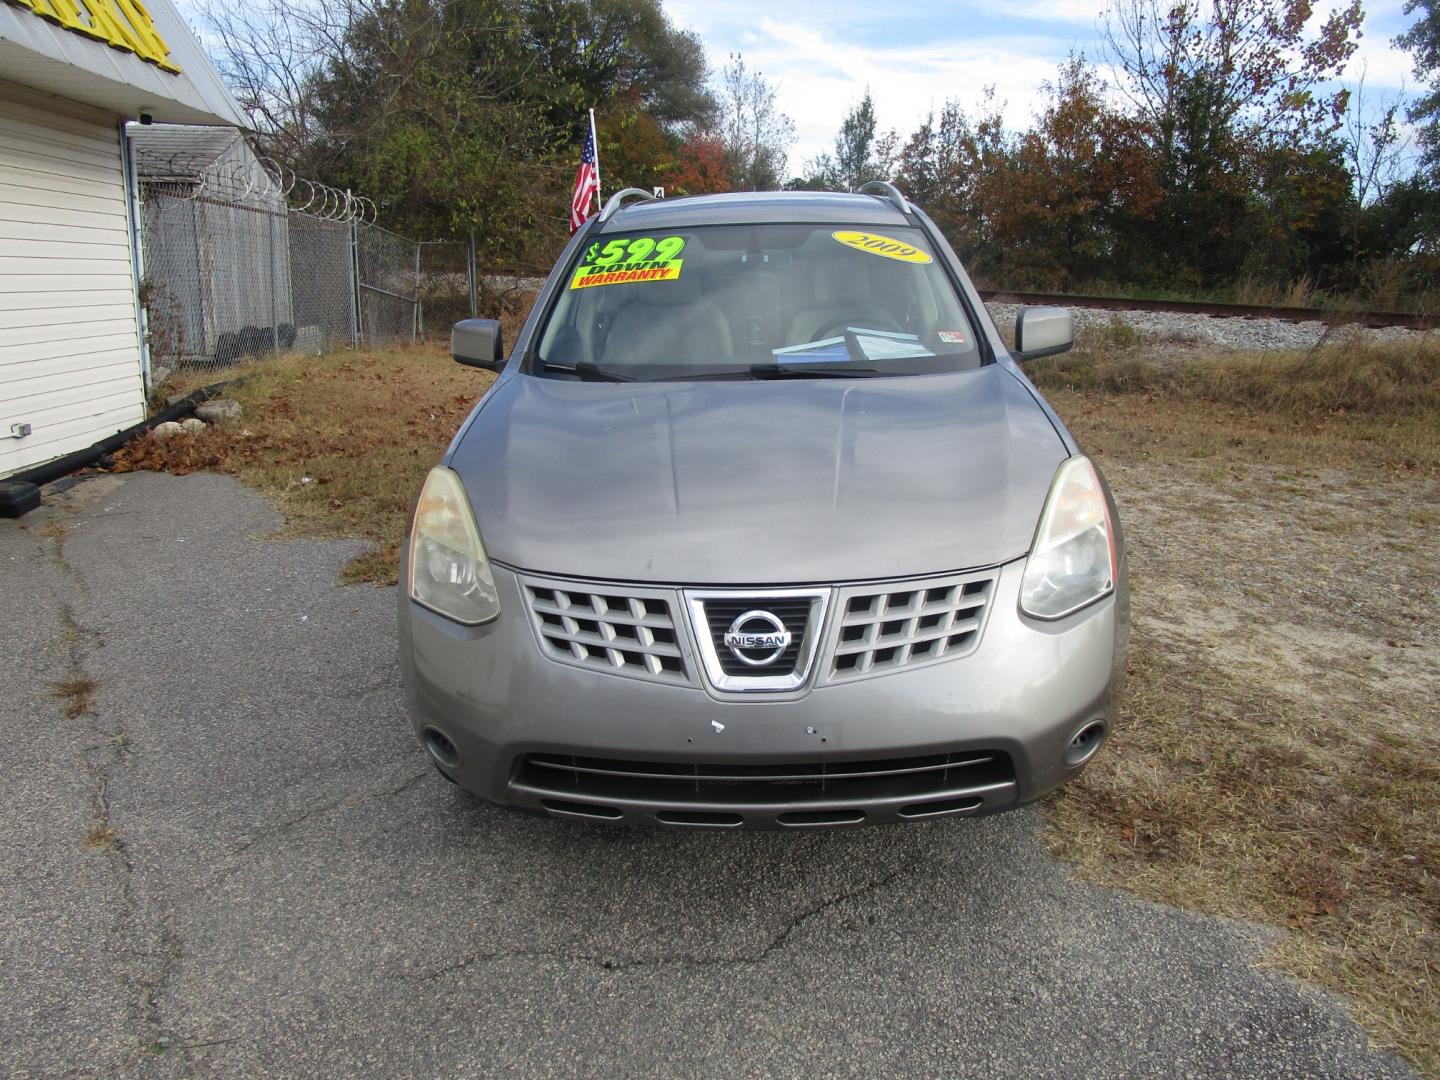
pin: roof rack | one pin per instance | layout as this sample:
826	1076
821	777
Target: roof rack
613	203
884	190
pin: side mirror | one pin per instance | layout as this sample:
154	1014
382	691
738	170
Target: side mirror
1042	331
476	343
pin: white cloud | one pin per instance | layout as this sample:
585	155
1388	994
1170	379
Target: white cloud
1382	66
822	54
820	74
905	82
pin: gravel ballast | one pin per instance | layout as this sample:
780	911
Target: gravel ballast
1162	327
1173	327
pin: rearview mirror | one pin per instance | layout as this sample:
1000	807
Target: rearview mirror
1042	331
476	343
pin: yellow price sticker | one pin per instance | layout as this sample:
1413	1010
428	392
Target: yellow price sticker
589	276
886	246
620	262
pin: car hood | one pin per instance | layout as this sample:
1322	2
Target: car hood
759	482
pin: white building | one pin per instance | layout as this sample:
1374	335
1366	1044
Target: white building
71	74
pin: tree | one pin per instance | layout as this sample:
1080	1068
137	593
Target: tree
887	155
1406	223
424	107
854	161
855	145
1375	147
1297	216
954	167
270	57
1423	40
1057	199
1412	212
1217	88
918	166
464	115
1235	65
588	52
701	167
1375	143
756	134
634	149
933	163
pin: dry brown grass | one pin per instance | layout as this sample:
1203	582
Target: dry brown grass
1298	293
341	442
1277	757
78	694
1379	404
1346	377
102	837
1277	754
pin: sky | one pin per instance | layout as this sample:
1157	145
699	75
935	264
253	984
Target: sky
915	54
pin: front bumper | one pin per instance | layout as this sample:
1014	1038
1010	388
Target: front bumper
1017	700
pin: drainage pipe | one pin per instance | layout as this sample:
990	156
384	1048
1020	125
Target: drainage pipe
63	466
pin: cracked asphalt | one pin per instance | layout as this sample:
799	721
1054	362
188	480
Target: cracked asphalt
237	863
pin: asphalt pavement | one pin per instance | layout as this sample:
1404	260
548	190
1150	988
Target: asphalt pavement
237	862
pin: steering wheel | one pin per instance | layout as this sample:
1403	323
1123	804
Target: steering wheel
841	322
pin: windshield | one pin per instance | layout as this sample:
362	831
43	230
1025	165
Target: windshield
754	301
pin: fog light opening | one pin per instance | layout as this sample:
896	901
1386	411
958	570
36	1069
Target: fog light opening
441	748
1084	743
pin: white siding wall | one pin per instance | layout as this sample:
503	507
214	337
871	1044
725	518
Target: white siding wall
69	350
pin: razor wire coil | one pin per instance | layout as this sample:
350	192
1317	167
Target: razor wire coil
245	259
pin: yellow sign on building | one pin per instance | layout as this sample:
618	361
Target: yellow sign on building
121	24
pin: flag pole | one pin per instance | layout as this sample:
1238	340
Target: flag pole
595	142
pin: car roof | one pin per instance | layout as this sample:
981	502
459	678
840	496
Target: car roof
755	207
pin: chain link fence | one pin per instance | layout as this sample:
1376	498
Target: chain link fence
447	285
322	277
218	285
233	271
388	271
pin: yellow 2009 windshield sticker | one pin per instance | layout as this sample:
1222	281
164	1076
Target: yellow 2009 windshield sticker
640	258
875	244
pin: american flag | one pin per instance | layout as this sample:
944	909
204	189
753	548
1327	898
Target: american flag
587	184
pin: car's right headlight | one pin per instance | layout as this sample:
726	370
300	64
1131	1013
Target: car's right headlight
448	571
1072	562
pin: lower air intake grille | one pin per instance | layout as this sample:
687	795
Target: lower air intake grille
625	633
914	624
676	783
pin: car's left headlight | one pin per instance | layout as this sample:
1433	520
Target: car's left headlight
1072	562
448	571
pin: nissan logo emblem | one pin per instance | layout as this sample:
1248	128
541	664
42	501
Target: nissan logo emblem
757	638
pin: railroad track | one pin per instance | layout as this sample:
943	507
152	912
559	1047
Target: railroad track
1372	319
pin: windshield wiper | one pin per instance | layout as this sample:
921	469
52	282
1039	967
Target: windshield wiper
589	372
810	371
776	371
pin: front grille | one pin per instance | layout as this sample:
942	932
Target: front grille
908	626
794	613
621	632
635	630
678	783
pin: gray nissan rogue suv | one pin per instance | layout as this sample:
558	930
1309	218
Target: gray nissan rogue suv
762	525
